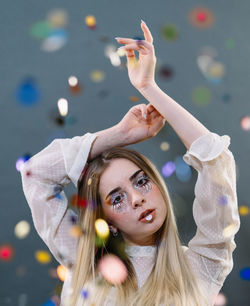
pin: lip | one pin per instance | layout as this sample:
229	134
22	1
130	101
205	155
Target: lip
144	212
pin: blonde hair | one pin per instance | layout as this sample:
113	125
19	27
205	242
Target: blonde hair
171	281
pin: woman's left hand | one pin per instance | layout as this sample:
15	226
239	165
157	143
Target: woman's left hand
141	72
136	128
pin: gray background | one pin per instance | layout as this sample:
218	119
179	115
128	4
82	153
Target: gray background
29	129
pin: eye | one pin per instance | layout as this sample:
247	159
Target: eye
143	180
116	198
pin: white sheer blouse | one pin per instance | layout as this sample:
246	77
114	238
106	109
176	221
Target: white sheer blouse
215	208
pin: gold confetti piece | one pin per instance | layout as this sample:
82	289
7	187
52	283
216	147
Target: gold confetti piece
102	228
57	18
165	146
134	98
229	230
97	75
89	181
22	229
62	272
90	21
216	70
43	257
75	231
243	210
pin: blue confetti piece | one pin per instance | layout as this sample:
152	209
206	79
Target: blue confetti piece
58	33
245	274
49	303
223	200
85	293
27	92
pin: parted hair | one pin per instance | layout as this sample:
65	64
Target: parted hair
171	281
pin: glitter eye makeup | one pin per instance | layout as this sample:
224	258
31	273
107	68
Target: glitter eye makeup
143	183
119	199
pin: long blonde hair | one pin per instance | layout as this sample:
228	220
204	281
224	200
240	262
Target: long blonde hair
171	281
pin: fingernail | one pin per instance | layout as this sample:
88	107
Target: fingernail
145	116
143	21
117	37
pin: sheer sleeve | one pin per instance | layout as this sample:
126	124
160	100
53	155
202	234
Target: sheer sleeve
215	211
44	176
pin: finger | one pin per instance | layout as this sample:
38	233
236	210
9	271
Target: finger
124	40
147	34
150	108
134	46
143	108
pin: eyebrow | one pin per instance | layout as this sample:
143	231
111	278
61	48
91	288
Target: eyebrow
119	188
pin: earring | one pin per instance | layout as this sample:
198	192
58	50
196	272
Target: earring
114	233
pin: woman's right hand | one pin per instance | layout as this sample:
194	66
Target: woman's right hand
136	127
133	128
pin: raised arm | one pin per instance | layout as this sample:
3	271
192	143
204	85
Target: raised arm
141	74
46	174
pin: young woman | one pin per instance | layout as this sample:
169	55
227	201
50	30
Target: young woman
124	188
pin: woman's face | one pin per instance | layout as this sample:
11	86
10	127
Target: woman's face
126	192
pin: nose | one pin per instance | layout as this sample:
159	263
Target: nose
137	199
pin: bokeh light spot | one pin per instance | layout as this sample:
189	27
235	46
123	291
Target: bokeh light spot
6	252
201	96
43	257
22	229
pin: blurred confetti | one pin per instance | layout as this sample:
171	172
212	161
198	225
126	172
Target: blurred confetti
168	169
22	229
62	106
78	202
62	272
243	210
27	92
201	96
223	200
170	32
164	146
6	252
245	123
182	170
57	18
51	32
201	17
220	300
102	228
84	293
97	76
74	85
230	43
112	269
21	161
165	72
134	98
43	257
245	273
211	69
75	231
90	22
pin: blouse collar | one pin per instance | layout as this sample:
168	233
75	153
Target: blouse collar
140	251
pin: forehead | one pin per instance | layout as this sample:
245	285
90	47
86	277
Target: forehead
117	173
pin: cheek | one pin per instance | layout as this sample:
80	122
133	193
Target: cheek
115	217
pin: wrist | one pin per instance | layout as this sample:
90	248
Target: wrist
151	86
